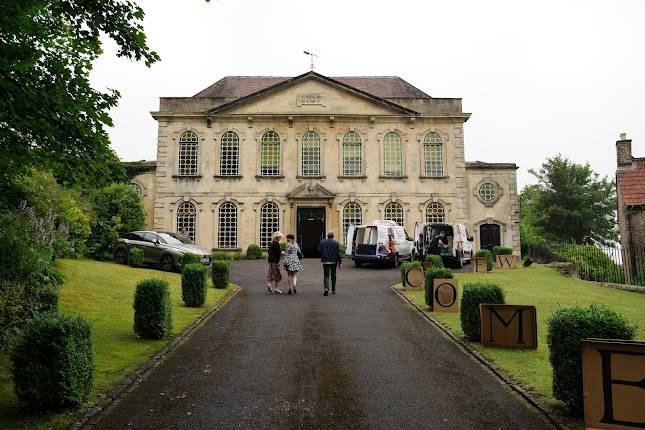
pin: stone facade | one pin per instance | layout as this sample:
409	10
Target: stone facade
379	112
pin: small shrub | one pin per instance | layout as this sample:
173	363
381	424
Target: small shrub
237	256
283	246
405	266
193	284
52	361
489	258
48	298
473	295
254	252
501	250
221	273
189	258
152	310
566	327
135	257
222	256
430	276
436	260
342	249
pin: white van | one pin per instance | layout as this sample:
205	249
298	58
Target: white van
459	250
380	241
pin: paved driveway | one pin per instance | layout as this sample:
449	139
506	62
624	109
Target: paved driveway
359	359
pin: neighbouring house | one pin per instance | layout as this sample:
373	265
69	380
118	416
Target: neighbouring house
308	154
630	189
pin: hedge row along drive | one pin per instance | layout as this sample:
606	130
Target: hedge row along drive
473	295
152	309
193	285
221	273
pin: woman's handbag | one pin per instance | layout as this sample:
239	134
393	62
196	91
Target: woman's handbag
300	255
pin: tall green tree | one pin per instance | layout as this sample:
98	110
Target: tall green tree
573	203
50	116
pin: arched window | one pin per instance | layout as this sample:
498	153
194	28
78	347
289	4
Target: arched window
227	226
310	154
187	160
432	155
269	223
352	154
270	154
392	155
435	213
394	211
186	220
352	215
229	160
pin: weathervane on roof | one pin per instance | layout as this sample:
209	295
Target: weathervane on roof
311	55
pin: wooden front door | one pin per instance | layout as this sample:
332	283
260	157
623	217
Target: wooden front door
489	236
310	230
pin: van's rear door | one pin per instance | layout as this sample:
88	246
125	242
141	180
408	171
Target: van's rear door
349	240
367	242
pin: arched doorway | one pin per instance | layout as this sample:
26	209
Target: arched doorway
489	236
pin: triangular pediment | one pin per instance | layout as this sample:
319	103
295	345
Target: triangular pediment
310	192
311	93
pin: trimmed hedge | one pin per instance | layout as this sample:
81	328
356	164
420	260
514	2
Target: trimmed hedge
52	361
430	276
501	250
254	252
135	257
566	327
436	260
190	258
473	295
221	273
405	266
222	256
489	258
152	309
193	284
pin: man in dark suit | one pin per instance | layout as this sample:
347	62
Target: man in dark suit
330	256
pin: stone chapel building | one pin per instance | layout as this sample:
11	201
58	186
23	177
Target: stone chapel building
251	155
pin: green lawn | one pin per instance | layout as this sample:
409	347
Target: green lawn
103	292
546	289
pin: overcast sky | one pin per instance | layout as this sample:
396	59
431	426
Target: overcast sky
540	77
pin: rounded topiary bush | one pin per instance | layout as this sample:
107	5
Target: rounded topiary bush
254	252
405	266
489	258
52	361
221	273
152	309
189	258
193	284
430	276
435	260
473	295
135	257
566	327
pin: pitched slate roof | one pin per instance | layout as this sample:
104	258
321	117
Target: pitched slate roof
385	87
631	183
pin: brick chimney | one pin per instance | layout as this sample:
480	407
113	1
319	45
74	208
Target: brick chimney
624	151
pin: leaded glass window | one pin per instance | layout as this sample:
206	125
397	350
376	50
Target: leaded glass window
352	215
488	192
310	154
227	226
269	223
188	154
186	220
229	161
394	211
270	154
435	213
352	163
433	155
392	155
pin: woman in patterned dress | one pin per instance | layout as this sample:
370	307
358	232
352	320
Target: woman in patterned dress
274	276
292	262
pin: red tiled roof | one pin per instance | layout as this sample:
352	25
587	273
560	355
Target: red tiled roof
385	87
631	183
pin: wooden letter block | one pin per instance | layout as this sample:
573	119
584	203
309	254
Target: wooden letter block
481	264
445	295
414	279
506	262
510	326
613	379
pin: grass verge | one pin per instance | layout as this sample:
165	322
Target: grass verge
546	289
103	292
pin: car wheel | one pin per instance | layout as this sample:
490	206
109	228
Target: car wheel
120	257
167	263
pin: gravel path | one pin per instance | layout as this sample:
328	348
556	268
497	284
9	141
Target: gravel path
358	359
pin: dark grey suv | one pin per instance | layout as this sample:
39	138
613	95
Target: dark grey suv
160	249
